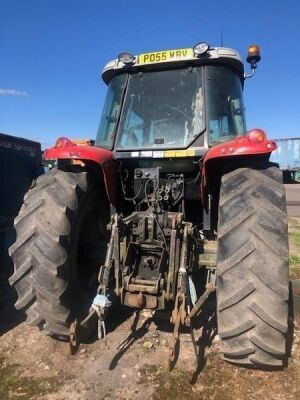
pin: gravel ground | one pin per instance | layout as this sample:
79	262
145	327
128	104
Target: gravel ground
131	363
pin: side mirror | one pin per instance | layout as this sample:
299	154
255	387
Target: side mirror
253	58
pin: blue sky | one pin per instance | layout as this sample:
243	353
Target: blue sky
52	53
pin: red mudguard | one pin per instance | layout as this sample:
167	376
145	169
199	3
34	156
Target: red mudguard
69	150
241	146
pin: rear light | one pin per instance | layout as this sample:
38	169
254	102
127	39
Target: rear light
63	142
257	136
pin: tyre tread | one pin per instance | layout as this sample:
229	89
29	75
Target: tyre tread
33	275
252	285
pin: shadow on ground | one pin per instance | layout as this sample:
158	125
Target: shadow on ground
206	326
9	316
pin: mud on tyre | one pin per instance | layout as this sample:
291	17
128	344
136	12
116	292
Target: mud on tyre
55	255
252	285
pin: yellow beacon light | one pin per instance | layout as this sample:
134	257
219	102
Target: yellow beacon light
253	54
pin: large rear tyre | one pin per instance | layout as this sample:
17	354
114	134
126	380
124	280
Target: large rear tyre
56	255
253	282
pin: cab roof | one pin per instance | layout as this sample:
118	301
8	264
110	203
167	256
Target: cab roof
176	57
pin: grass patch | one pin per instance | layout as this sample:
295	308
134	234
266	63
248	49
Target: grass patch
222	381
13	386
295	237
294	260
211	383
174	385
294	267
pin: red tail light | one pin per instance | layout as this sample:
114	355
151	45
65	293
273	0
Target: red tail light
257	136
63	142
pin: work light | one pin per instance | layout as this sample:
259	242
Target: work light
200	48
126	58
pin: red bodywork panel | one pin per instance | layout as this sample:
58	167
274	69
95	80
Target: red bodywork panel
241	146
65	149
103	157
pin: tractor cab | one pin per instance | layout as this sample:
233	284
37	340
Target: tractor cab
186	99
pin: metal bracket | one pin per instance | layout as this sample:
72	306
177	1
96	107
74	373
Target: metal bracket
81	331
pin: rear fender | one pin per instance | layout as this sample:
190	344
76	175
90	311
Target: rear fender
238	151
102	157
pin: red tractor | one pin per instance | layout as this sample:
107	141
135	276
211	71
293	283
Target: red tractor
175	200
